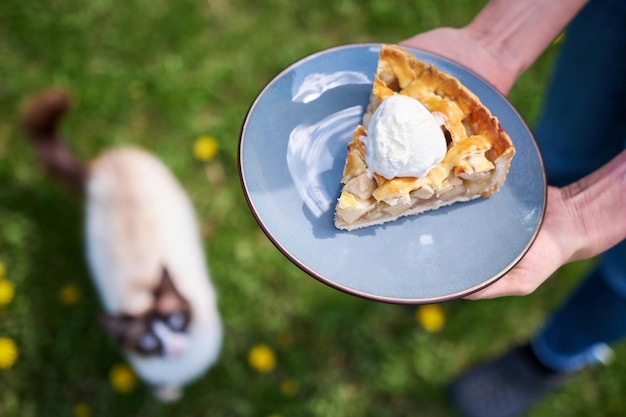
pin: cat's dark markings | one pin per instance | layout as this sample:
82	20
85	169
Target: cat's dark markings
137	333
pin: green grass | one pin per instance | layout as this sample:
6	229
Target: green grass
160	74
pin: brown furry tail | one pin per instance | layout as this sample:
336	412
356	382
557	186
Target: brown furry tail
40	118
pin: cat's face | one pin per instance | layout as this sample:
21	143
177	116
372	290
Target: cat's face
160	331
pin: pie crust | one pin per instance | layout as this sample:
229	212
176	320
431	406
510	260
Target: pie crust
476	163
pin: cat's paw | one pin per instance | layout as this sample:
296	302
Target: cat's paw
168	393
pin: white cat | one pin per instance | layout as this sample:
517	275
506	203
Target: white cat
144	252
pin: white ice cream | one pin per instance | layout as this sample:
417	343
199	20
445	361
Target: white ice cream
404	139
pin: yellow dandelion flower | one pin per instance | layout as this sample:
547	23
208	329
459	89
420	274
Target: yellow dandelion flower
82	410
205	148
3	270
431	317
8	352
289	387
69	294
123	378
6	292
262	358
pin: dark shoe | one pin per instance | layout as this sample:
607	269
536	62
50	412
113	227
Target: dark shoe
505	387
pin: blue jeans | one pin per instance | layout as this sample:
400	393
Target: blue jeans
583	126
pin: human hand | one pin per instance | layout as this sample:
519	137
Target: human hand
466	48
549	251
581	220
503	39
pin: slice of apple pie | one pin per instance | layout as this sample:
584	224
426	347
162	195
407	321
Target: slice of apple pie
429	143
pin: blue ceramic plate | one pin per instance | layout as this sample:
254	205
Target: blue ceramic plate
291	156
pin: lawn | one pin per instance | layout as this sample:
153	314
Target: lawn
161	75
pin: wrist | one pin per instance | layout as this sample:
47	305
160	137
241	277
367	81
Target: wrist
498	49
516	32
595	208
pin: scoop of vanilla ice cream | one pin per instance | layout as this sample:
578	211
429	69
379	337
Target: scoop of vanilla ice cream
404	139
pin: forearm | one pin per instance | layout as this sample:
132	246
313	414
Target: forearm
597	206
518	31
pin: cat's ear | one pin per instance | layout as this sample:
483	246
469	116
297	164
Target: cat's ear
166	286
113	325
167	297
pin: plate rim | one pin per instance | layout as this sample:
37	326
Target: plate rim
343	288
